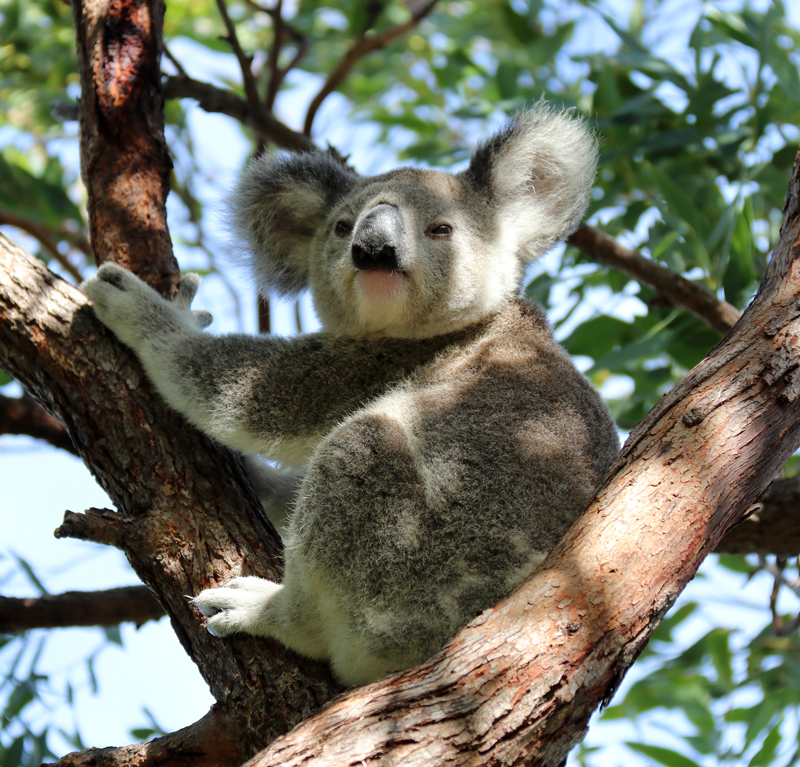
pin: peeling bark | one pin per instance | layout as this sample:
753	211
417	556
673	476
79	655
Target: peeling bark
125	163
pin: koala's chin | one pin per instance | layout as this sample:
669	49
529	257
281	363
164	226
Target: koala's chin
382	298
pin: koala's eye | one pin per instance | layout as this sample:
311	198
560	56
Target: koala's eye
441	231
343	228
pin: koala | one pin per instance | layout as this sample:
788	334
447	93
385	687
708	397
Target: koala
436	440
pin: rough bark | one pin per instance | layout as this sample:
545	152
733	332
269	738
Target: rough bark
774	528
518	685
79	608
125	163
187	517
214	741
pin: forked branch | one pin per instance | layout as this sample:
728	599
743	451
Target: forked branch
214	99
363	45
245	62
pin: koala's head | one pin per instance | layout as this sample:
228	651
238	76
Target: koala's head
416	253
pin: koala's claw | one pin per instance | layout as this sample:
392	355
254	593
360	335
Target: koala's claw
111	274
135	312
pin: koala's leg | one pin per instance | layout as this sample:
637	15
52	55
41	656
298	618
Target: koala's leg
374	523
276	489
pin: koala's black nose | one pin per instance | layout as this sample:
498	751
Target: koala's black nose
378	239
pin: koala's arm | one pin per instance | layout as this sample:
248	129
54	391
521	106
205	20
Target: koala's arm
256	394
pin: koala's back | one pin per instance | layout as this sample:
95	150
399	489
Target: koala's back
434	500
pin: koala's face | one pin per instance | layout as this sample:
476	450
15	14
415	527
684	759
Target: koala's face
416	253
409	254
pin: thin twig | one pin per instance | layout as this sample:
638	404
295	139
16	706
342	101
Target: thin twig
175	62
214	99
360	48
45	239
278	74
673	287
274	54
776	570
248	80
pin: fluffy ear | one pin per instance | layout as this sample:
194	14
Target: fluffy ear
536	175
278	208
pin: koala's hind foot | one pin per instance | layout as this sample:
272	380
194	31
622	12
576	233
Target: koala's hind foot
256	606
290	614
245	604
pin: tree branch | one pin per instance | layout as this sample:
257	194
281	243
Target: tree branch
774	528
214	99
360	48
214	741
103	526
44	237
248	81
277	73
23	415
79	608
674	287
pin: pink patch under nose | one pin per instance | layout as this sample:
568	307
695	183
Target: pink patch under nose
380	285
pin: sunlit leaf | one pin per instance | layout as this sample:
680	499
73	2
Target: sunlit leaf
663	756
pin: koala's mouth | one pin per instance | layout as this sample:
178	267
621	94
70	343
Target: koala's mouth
381	284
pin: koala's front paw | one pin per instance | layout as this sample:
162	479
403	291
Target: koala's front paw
135	312
239	606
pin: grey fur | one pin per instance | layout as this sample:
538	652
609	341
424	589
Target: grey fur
446	439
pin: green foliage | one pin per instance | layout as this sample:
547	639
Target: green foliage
697	117
25	691
732	697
